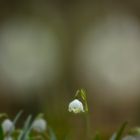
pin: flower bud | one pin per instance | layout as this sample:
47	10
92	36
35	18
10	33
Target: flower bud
39	125
7	126
76	106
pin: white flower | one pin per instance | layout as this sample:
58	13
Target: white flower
76	106
8	138
8	126
39	125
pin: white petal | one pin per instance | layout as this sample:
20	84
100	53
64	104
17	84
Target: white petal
76	106
39	125
7	126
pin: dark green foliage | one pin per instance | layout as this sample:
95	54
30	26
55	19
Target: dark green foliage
1	133
97	136
120	131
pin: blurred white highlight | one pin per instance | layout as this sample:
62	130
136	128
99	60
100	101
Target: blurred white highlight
30	53
108	56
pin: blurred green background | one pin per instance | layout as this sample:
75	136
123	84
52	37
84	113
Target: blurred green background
50	48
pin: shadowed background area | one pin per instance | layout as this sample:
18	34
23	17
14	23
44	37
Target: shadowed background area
49	49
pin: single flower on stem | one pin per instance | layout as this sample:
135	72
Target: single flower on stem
76	106
39	125
81	106
8	126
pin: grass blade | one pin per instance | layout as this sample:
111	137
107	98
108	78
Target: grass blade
120	131
52	134
1	133
97	136
17	117
15	121
25	131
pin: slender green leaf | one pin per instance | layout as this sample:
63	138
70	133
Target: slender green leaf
83	94
84	97
1	133
77	93
97	136
17	117
15	121
120	131
26	129
52	134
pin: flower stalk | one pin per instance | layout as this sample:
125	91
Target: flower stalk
76	106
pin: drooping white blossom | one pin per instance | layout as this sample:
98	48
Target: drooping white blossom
39	125
76	106
8	126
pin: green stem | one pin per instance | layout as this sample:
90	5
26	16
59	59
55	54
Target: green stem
88	127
